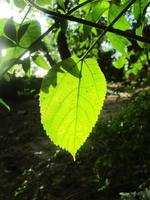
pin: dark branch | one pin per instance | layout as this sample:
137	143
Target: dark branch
57	15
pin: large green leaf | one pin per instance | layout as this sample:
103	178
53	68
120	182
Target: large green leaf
70	104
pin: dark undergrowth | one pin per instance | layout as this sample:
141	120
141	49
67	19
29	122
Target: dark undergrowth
114	160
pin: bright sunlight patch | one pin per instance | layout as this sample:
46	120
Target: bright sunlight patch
71	98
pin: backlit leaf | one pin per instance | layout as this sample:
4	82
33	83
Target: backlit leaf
20	3
32	33
40	61
70	105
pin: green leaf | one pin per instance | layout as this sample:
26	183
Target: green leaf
70	107
20	3
2	25
120	62
43	2
41	62
5	43
9	59
139	7
33	32
118	42
4	104
10	29
61	3
122	23
22	30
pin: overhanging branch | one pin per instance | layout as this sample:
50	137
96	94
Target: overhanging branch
57	15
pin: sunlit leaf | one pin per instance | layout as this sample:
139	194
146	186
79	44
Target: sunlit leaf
40	61
4	104
122	23
43	2
70	107
118	42
11	56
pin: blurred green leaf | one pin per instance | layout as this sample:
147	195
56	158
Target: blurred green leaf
43	2
6	43
2	25
22	30
33	32
26	66
20	3
4	104
10	29
40	61
119	63
118	42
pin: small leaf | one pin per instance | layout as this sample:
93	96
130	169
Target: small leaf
10	29
6	43
22	30
118	42
70	109
31	34
20	3
120	62
26	66
40	61
4	104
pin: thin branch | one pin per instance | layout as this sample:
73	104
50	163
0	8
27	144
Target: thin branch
108	28
89	23
26	14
